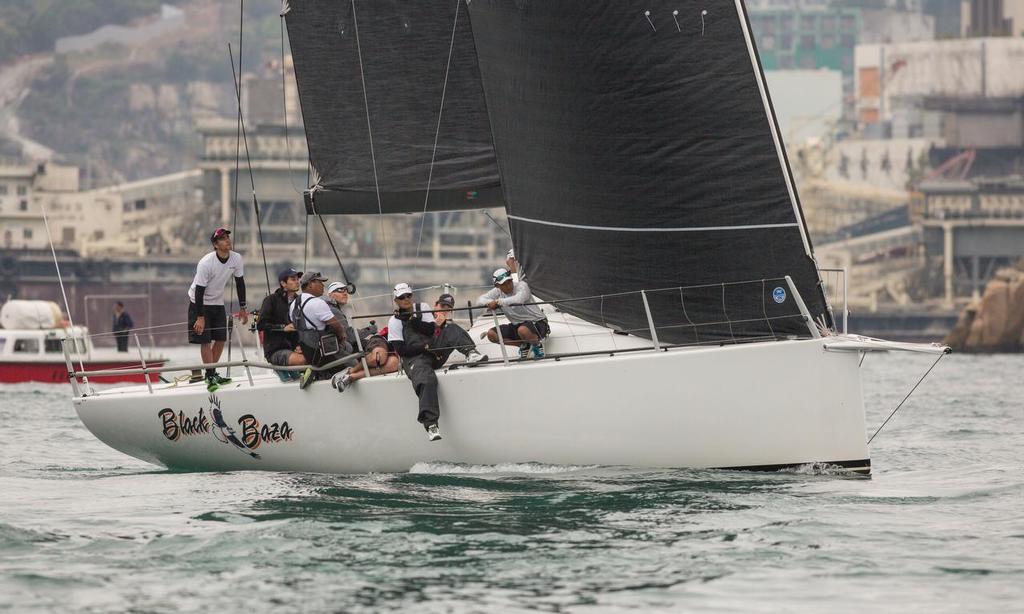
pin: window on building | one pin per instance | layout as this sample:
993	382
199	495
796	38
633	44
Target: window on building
828	24
807	23
848	41
807	41
786	42
768	43
23	205
26	233
126	207
140	204
848	23
68	235
3	189
27	346
22	190
828	41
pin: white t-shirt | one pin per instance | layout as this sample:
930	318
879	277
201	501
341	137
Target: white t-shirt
213	275
317	311
396	327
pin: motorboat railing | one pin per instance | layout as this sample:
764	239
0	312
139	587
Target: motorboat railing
651	331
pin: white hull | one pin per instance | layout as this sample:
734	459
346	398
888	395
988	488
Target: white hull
760	405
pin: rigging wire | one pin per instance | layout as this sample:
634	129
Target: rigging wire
906	397
373	156
437	131
238	140
284	105
248	161
496	223
60	279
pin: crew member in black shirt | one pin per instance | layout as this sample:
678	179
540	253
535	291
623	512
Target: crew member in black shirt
280	339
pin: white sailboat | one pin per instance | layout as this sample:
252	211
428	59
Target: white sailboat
636	152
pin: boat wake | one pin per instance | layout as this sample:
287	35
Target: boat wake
821	469
439	468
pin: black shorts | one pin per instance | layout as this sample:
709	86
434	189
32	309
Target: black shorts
216	325
510	332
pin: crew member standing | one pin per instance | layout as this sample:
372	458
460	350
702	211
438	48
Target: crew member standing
207	318
122	325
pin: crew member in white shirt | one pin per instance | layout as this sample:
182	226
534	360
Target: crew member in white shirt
311	316
412	333
207	318
527	326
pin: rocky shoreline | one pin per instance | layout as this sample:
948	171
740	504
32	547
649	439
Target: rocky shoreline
996	322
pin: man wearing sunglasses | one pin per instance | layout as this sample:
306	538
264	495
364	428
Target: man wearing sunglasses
527	326
412	334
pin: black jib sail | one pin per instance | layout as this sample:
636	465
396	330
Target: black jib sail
384	135
638	150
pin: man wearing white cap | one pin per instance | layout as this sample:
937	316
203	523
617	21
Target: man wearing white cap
411	332
527	326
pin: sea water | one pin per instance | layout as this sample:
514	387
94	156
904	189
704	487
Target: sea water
938	528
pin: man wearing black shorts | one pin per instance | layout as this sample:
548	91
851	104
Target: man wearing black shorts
207	318
528	326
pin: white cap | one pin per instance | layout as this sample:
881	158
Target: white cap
510	254
500	276
336	285
402	288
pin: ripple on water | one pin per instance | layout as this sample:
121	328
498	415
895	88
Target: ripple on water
935	528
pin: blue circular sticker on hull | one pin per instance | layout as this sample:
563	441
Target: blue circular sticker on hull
779	294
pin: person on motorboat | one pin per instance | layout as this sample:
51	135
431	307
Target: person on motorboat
527	325
207	318
322	338
411	332
280	339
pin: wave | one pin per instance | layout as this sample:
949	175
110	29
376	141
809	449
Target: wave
820	469
440	468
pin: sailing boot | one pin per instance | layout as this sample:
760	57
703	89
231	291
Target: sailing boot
433	433
538	351
474	358
524	351
308	376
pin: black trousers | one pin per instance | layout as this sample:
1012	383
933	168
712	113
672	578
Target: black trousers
122	342
420	369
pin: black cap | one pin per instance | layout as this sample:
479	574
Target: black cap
220	233
287	272
447	300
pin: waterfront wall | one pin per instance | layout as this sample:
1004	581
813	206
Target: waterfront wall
996	322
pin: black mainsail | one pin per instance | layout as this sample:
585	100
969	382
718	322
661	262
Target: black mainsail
636	142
